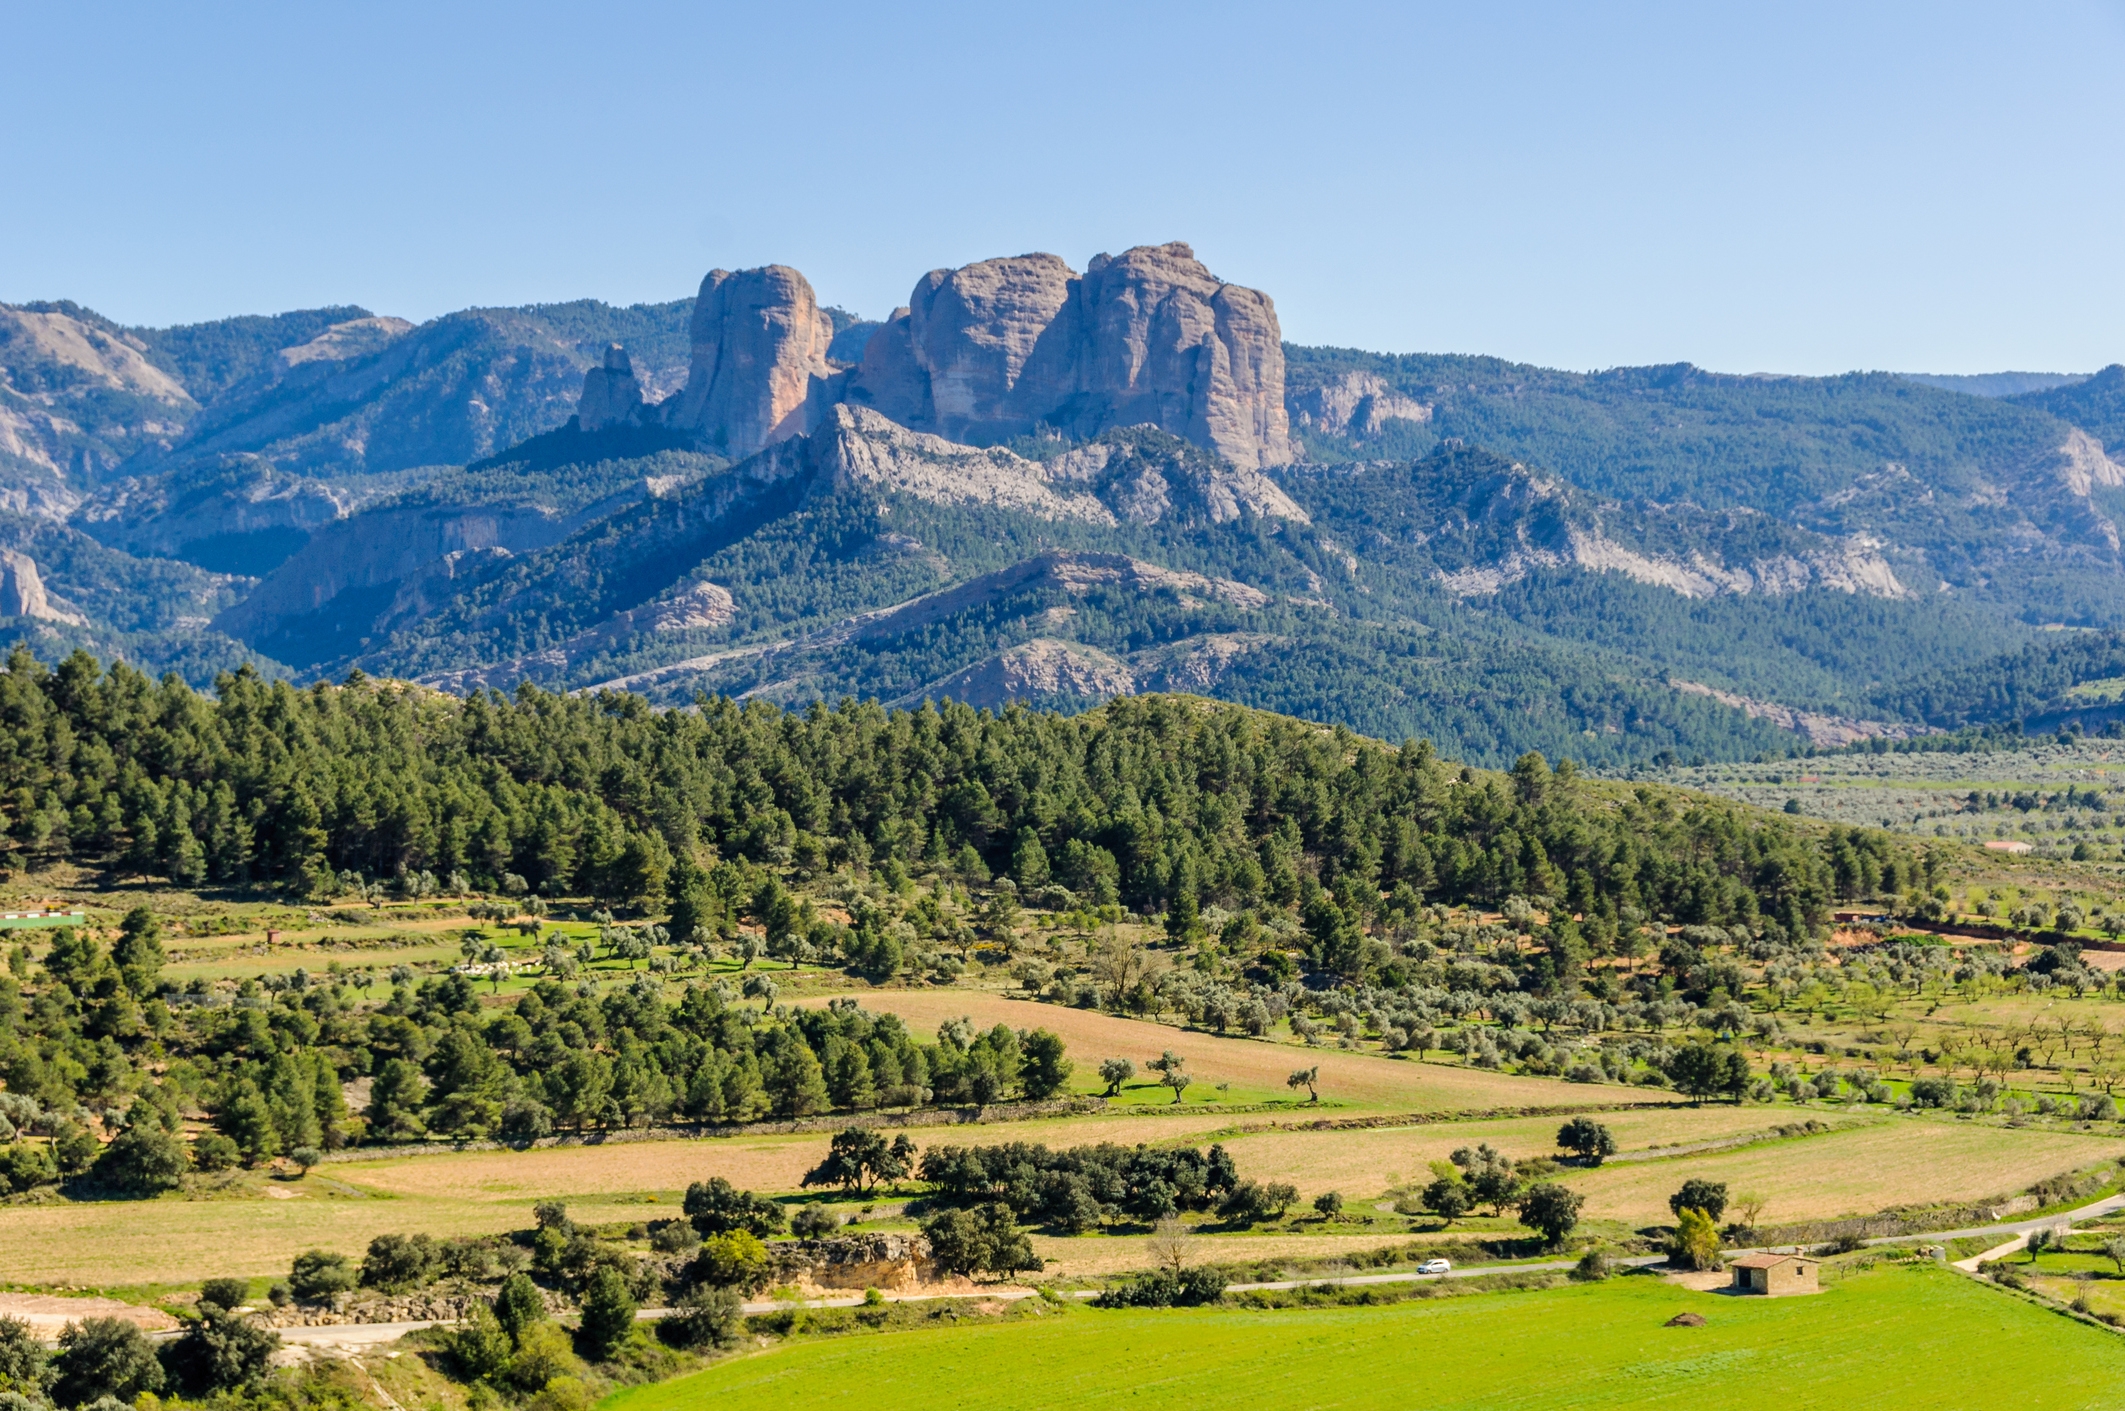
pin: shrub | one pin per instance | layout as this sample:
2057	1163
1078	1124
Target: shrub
320	1273
814	1221
1695	1243
1593	1267
24	1167
226	1294
23	1360
733	1259
215	1152
1329	1204
396	1263
707	1318
144	1160
101	1357
1164	1288
542	1355
715	1206
222	1352
479	1346
1934	1092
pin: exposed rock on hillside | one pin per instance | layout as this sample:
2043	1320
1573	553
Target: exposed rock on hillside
1480	522
1001	347
759	342
610	392
1042	671
1357	405
78	396
1823	731
22	592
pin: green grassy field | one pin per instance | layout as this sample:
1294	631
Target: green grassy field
1891	1337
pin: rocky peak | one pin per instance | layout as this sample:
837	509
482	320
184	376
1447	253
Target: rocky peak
610	392
759	343
998	348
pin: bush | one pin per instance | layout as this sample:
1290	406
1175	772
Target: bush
320	1273
1163	1288
1934	1092
814	1221
479	1347
23	1360
24	1167
542	1354
1592	1268
222	1352
226	1294
1695	1243
1329	1204
396	1263
733	1260
101	1357
716	1206
706	1318
215	1152
144	1160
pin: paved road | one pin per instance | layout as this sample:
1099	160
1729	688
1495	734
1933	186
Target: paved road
2016	1227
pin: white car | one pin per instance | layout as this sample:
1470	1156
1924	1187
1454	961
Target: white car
1435	1266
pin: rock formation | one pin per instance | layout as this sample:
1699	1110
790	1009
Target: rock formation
610	393
759	346
22	591
1000	348
1357	405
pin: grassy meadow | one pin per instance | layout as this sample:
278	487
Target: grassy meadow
1887	1337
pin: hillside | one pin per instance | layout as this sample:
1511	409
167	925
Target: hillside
1614	565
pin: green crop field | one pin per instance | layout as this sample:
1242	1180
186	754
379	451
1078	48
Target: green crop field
1885	1338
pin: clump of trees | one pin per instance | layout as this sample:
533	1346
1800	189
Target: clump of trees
1083	1186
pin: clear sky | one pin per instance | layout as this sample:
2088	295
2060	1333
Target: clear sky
1782	187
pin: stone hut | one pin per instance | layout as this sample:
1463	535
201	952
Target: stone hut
1775	1273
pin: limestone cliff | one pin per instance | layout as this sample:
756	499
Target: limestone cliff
759	342
1002	347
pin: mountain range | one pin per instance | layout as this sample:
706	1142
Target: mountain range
1044	485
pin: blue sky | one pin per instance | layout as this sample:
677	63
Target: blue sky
1791	187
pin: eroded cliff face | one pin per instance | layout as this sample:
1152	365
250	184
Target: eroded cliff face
1003	347
759	342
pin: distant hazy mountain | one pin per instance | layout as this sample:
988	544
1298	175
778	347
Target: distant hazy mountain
1996	384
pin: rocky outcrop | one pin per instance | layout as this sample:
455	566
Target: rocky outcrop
759	345
610	393
1823	731
856	448
1044	671
353	338
1003	347
890	1262
1357	405
22	592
